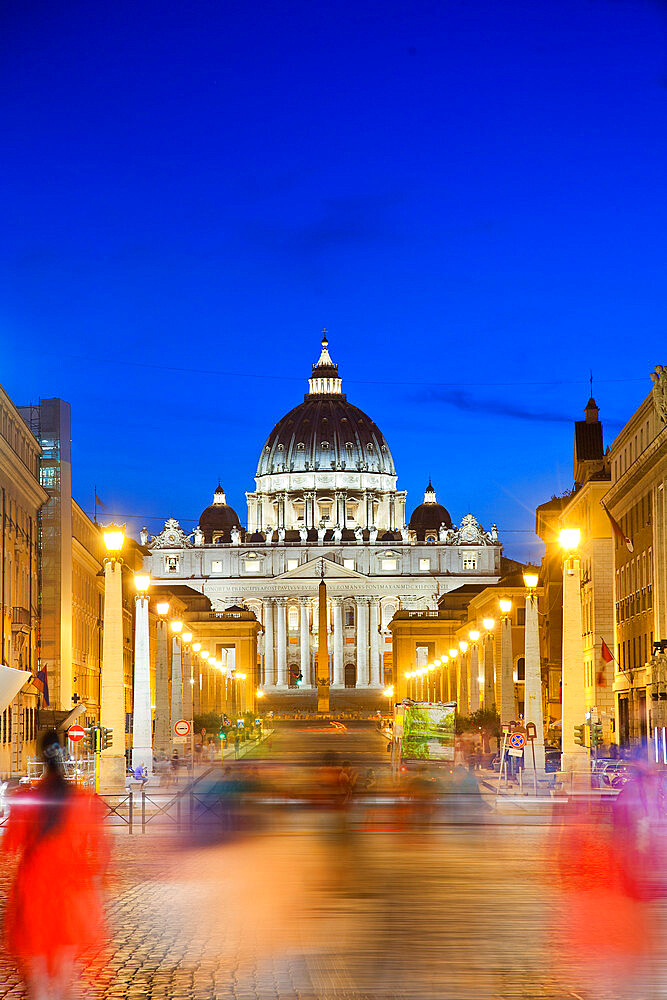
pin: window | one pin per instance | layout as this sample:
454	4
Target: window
348	563
521	616
431	538
389	565
351	510
349	616
469	560
325	510
292	563
424	565
388	612
299	508
293	619
251	565
521	669
172	564
216	566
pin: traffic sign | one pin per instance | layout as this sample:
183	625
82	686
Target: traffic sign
182	727
76	733
515	753
203	732
517	741
240	723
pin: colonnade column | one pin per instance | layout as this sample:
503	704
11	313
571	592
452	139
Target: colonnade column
363	679
162	741
506	679
376	678
269	663
281	641
474	678
533	686
197	686
176	683
142	735
188	693
304	644
338	675
462	692
489	674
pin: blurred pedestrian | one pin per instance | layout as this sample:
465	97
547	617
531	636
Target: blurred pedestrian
54	909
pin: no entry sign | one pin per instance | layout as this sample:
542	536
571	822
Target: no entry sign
76	733
182	727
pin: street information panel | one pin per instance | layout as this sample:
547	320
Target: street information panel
428	731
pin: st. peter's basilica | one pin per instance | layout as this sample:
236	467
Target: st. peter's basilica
325	503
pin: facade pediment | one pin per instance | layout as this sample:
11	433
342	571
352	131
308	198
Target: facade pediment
313	570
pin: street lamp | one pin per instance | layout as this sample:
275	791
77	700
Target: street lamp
142	723
533	712
196	647
473	635
176	626
162	608
463	645
186	636
575	757
112	682
530	578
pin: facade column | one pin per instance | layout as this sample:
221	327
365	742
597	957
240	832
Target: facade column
363	679
112	701
197	688
162	727
188	693
506	673
309	510
489	674
376	677
392	512
533	684
269	662
474	678
304	640
142	729
462	692
281	641
575	758
338	671
176	685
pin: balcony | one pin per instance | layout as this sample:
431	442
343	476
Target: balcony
20	620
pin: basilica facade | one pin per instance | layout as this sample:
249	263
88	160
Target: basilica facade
325	505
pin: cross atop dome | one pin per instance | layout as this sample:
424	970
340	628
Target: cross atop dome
325	379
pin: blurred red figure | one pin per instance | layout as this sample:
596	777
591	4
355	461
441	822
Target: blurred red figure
54	907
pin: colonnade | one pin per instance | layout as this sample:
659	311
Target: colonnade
366	639
468	679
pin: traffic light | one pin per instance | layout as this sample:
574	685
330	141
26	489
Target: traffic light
299	679
596	734
89	737
107	738
580	735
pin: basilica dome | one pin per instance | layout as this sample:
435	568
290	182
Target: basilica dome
429	516
325	432
217	520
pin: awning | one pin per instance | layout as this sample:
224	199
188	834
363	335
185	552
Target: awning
11	682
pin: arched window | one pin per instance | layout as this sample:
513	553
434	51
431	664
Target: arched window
293	619
521	669
350	675
349	615
388	612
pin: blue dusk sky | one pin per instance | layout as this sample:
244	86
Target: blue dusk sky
469	194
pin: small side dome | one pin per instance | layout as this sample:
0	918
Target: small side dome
217	521
427	518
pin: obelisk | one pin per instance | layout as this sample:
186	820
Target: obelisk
322	650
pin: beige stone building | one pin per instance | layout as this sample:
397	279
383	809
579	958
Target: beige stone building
21	497
636	499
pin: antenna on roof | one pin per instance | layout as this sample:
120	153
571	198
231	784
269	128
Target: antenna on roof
591	383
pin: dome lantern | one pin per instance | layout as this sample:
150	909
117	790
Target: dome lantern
325	379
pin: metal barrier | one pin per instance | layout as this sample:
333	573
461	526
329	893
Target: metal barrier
113	810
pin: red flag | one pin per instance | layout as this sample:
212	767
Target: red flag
606	656
606	653
618	531
98	502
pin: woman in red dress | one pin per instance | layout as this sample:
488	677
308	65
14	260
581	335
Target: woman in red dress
54	907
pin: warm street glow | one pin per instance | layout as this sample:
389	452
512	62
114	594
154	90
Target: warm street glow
436	663
196	646
259	693
505	605
204	654
530	579
388	692
474	635
162	608
488	624
114	536
142	582
187	637
445	659
569	538
177	626
453	653
463	645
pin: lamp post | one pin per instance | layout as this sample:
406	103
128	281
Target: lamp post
506	677
474	671
188	691
489	670
532	710
142	728
112	696
444	668
575	758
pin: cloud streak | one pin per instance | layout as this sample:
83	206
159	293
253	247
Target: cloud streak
465	402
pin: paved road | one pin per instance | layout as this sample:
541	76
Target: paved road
322	909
